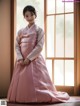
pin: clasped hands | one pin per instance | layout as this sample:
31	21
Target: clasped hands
24	61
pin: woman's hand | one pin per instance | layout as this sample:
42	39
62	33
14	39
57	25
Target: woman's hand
27	61
21	62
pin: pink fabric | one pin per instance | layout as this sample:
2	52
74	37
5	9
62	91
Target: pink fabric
32	83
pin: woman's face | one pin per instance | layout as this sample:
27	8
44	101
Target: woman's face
30	17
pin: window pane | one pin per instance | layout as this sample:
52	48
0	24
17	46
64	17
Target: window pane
59	72
69	6
59	6
49	67
50	6
50	36
69	72
59	35
69	35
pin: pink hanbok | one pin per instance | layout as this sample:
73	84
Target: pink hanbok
32	83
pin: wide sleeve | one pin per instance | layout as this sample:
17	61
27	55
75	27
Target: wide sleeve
17	46
39	46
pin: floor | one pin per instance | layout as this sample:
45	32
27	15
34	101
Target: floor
3	102
58	104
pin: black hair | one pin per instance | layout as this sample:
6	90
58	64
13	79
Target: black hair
30	9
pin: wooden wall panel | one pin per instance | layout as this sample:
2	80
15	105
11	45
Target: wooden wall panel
5	47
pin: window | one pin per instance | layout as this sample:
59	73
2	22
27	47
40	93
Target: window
59	27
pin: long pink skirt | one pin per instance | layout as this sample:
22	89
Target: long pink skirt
32	83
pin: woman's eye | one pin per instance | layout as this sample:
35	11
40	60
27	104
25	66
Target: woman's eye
26	15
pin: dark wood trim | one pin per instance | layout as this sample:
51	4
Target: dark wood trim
77	32
60	13
75	52
60	58
68	89
12	33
